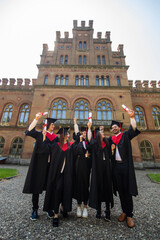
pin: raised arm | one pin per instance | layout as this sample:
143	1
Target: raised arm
76	129
89	133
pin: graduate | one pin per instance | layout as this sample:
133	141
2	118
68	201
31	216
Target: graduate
82	167
101	177
36	178
124	180
59	186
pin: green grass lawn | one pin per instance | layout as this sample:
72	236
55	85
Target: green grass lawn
8	172
154	177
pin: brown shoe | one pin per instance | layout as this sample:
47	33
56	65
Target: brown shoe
130	222
122	217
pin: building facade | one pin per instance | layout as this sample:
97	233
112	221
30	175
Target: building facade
81	75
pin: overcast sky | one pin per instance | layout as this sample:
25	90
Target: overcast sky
26	24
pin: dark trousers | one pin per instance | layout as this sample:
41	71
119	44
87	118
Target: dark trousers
35	200
121	176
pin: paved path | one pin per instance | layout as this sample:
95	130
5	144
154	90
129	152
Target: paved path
15	210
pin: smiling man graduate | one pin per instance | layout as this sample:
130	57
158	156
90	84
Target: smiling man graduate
124	180
36	178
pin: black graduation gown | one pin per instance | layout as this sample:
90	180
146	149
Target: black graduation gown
82	167
38	169
58	156
125	151
101	176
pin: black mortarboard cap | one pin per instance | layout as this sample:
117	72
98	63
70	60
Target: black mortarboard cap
119	124
63	130
82	129
50	120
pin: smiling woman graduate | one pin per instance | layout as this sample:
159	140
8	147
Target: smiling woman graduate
59	186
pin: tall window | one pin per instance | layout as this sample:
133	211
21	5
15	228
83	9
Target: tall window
2	142
16	147
146	151
84	45
107	81
24	114
104	110
46	80
156	116
102	80
80	60
61	80
80	45
56	80
77	80
97	80
66	80
7	114
66	59
98	59
84	59
82	80
140	118
118	81
87	81
81	109
61	59
59	109
103	60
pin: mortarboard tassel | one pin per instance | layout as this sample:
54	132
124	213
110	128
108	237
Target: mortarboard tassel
63	132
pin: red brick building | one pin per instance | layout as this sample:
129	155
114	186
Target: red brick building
81	75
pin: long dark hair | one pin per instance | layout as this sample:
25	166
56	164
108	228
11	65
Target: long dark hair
99	141
61	139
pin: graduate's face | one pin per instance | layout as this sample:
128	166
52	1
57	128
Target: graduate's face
51	127
115	129
84	134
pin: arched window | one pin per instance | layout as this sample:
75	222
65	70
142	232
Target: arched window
97	80
98	60
61	59
24	114
66	59
2	142
56	80
84	59
87	81
140	118
77	80
80	45
156	116
146	151
61	80
84	45
103	60
81	109
118	81
16	147
104	110
82	80
66	80
58	109
80	60
46	80
7	114
107	81
102	80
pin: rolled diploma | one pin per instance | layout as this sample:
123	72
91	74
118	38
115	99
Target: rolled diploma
90	117
45	125
125	108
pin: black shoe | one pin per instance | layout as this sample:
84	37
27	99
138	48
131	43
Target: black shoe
34	215
64	214
98	215
50	213
107	216
55	222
